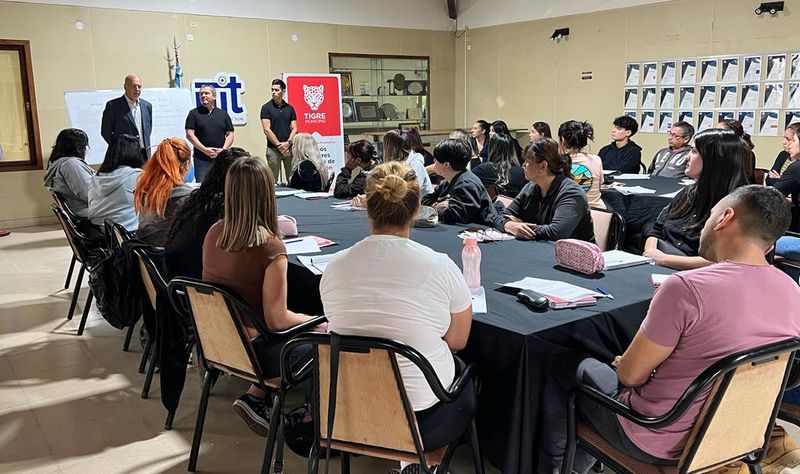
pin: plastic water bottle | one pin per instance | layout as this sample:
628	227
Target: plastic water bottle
471	262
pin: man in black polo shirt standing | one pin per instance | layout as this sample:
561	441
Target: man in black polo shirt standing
209	129
279	122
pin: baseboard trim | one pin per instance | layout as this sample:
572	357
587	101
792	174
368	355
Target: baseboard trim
27	222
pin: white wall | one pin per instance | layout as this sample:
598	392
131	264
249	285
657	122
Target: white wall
480	13
419	14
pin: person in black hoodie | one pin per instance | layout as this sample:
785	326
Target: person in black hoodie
622	154
461	197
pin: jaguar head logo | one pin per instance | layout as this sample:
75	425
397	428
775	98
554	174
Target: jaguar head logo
314	95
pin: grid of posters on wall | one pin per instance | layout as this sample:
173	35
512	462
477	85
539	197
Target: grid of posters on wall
760	90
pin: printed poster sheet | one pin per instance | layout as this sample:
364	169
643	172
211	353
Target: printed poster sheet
730	69
665	122
705	120
708	71
752	68
689	71
632	74
686	116
648	121
750	96
776	67
748	121
687	97
668	72
649	73
768	123
667	98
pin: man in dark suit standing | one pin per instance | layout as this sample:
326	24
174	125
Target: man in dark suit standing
129	115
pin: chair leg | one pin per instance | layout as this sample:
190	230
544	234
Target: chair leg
75	292
313	459
85	315
754	468
345	460
151	369
148	347
477	458
169	420
280	443
274	427
198	426
69	272
127	344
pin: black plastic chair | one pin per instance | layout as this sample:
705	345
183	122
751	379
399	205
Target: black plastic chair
380	421
746	390
86	255
218	316
642	168
609	229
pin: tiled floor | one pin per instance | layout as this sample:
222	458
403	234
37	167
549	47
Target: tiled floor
72	404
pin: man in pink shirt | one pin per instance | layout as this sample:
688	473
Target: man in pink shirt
696	318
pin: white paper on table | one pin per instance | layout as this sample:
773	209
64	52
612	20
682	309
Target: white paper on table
627	176
665	121
776	67
708	96
686	181
688	71
794	96
316	264
670	195
773	95
635	190
658	279
648	121
768	125
557	289
687	97
728	96
752	68
686	116
667	97
615	259
631	98
648	97
346	206
301	245
748	121
649	73
487	235
287	192
632	74
792	116
308	195
750	95
705	120
730	69
708	69
668	72
479	300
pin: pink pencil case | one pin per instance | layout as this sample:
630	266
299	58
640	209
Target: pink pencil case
578	255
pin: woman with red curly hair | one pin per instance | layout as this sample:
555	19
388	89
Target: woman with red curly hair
160	190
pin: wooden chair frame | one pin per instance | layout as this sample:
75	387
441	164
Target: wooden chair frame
116	235
718	376
393	349
616	232
239	311
155	287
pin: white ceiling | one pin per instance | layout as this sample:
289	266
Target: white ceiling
422	14
479	13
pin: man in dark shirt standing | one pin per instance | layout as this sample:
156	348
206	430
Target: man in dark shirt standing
279	121
209	129
622	154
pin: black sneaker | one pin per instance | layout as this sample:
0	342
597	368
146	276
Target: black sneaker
410	469
254	412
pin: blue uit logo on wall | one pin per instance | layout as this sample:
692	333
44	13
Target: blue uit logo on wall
230	87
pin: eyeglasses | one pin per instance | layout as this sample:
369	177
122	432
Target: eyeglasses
483	235
675	135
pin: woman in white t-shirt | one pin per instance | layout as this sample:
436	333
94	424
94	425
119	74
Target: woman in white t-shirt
587	169
406	292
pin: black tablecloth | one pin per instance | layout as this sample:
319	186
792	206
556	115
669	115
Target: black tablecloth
640	210
512	346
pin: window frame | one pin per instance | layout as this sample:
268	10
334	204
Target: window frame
34	162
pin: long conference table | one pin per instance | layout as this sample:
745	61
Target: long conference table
512	346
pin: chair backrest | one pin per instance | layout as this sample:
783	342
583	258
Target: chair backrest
62	204
609	229
152	280
76	240
116	232
739	414
760	175
642	168
221	333
371	405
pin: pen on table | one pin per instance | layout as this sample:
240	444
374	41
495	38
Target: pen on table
605	292
292	241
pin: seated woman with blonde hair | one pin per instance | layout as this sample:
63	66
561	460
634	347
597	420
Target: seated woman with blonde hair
244	252
424	301
160	190
309	173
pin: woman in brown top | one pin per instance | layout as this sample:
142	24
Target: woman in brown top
245	253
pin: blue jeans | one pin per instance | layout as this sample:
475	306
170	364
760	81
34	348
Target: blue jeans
201	167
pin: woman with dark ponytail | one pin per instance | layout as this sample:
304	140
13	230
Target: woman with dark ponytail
750	160
552	205
67	172
587	169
